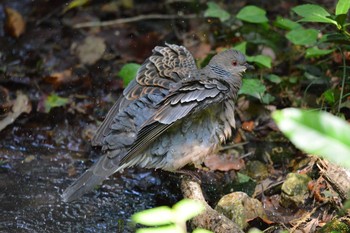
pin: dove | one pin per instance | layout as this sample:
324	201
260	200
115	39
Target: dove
172	114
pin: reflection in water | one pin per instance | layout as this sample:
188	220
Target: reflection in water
30	201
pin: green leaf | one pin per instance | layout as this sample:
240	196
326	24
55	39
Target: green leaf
154	217
340	20
285	23
274	78
215	11
252	87
301	36
318	133
53	101
163	229
128	72
343	7
242	47
329	96
316	52
267	98
293	79
252	14
261	60
74	4
337	38
186	209
313	13
242	178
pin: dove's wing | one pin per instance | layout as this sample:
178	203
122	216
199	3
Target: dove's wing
104	128
166	66
191	97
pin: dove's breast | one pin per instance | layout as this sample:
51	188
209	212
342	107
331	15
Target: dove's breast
192	139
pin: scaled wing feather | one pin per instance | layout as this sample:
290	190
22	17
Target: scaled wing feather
172	111
165	66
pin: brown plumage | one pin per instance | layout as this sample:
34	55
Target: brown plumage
172	114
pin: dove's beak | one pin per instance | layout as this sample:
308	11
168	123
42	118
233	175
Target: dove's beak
249	67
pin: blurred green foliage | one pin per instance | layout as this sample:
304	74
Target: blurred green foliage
164	219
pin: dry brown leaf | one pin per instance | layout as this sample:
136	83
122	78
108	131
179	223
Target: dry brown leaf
248	126
59	78
238	138
15	24
5	103
71	171
311	225
225	162
21	104
278	213
90	50
338	58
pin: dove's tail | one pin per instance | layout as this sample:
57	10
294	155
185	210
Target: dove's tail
83	184
94	176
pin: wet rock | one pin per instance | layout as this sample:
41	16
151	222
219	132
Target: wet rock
294	190
240	208
257	170
337	225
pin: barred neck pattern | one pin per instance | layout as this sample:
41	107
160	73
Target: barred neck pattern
220	71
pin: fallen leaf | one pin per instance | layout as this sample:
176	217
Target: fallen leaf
338	58
248	126
311	225
74	4
73	77
59	78
90	50
224	162
53	100
5	103
29	158
278	213
71	171
238	138
20	105
15	24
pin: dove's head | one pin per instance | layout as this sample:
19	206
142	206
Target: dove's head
229	62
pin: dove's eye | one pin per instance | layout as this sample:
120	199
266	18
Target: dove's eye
234	63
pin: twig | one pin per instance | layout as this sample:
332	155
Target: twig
230	146
210	219
132	19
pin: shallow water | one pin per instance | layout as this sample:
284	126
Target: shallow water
30	196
